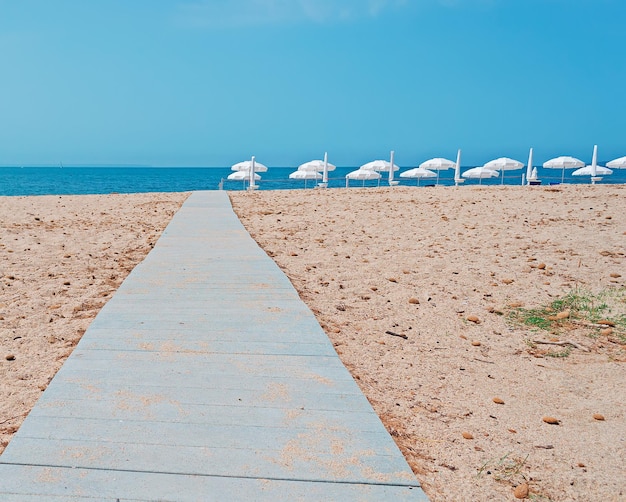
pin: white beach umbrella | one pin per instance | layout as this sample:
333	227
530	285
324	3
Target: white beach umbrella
588	171
531	174
363	175
504	164
594	169
437	164
242	176
391	171
457	169
418	173
316	166
246	165
480	173
563	163
327	167
379	165
617	163
305	175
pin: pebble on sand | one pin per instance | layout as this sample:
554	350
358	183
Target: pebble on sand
598	416
497	400
467	435
551	420
521	491
10	357
474	319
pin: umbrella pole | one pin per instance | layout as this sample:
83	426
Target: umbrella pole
563	174
502	177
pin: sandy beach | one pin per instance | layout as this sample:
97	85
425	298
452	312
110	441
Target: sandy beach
486	325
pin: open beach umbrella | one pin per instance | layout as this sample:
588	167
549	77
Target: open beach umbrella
315	166
437	164
617	163
504	164
480	173
363	175
305	175
251	167
246	165
242	176
563	163
418	173
457	169
379	165
383	166
588	171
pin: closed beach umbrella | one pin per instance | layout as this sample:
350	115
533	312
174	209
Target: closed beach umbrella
594	169
531	174
617	163
563	163
418	173
457	169
363	175
480	173
327	167
437	164
504	164
391	171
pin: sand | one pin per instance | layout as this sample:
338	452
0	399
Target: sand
425	294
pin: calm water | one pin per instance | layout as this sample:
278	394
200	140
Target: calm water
103	180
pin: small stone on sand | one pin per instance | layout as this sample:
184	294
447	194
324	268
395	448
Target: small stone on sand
521	491
551	420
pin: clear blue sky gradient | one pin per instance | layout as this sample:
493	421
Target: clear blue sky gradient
212	82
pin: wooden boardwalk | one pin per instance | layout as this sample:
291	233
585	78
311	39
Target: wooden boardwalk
205	377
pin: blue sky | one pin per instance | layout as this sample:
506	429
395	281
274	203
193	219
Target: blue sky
212	82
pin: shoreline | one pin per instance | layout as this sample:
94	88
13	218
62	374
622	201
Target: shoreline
369	262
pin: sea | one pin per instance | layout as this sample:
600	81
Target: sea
76	180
